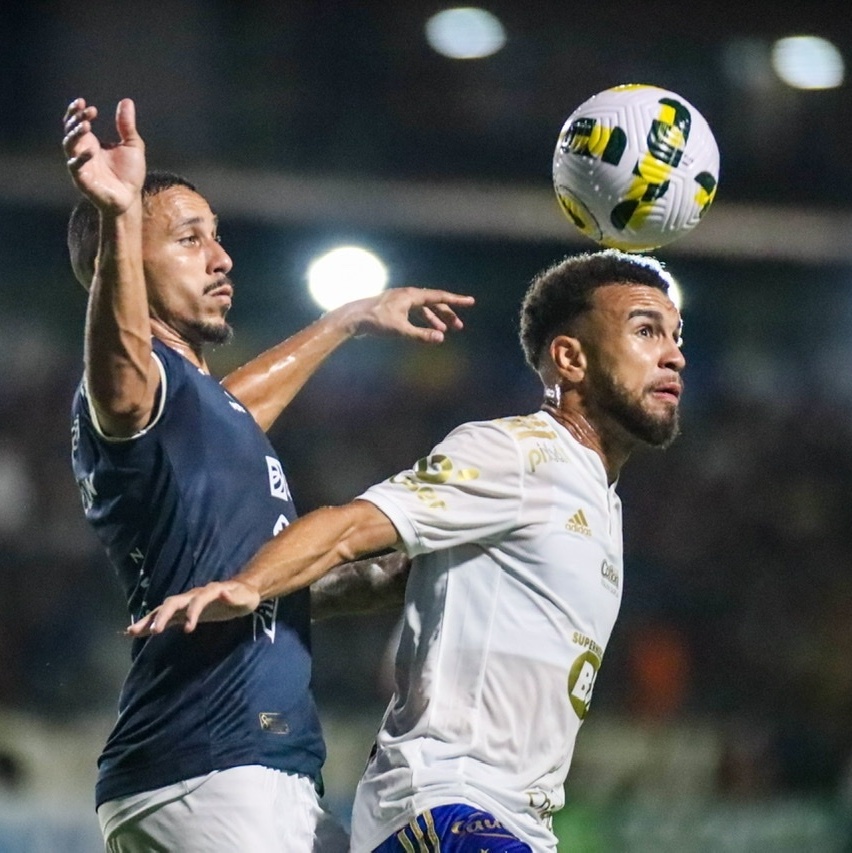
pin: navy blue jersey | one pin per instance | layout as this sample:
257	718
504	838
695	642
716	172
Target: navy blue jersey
187	501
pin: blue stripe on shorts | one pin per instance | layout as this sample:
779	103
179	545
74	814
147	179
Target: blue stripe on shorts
453	829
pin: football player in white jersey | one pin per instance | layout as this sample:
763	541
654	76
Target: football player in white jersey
514	527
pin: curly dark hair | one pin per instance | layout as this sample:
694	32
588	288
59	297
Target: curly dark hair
84	224
561	293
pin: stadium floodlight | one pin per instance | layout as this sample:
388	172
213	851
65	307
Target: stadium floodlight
465	33
808	62
344	274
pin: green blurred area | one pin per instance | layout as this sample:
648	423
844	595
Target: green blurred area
774	826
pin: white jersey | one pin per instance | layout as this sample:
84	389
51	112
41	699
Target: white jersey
513	593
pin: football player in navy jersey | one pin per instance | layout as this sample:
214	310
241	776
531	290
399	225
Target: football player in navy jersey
217	745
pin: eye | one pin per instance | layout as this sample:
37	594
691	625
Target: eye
188	240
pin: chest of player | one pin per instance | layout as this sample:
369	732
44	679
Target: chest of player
573	545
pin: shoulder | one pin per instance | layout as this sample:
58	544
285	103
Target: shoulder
517	431
525	428
497	446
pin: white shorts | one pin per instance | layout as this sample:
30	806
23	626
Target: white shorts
237	810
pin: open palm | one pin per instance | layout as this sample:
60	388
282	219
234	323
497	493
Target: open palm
110	174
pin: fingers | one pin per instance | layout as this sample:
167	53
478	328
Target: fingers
125	122
214	602
141	627
170	612
77	110
78	123
428	336
199	603
426	295
436	307
442	317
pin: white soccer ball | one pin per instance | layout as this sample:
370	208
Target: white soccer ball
635	167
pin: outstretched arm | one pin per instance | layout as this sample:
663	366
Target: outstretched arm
298	556
120	374
268	383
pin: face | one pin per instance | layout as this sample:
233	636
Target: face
186	268
632	341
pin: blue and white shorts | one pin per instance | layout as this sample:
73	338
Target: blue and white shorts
453	829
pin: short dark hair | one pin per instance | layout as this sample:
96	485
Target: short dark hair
84	224
562	292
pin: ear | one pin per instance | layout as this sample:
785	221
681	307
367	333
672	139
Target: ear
568	358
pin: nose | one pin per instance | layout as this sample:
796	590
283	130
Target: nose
219	261
673	358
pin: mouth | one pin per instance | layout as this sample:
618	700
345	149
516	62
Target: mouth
668	391
223	291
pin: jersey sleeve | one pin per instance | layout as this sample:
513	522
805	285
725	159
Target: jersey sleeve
468	489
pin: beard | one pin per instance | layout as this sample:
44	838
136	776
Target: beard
628	411
209	333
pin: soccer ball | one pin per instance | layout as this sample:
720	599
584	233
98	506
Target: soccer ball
635	167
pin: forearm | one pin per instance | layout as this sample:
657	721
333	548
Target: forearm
267	384
313	545
118	328
364	586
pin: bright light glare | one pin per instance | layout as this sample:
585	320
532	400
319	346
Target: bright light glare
465	33
344	274
675	294
808	62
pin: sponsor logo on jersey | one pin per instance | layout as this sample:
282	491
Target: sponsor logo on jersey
543	453
487	825
610	576
581	682
585	642
75	433
543	804
438	468
274	723
578	524
264	618
88	492
431	471
278	487
529	426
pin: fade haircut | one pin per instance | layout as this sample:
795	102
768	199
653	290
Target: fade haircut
560	294
84	225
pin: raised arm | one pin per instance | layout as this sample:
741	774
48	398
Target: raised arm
268	383
120	374
299	555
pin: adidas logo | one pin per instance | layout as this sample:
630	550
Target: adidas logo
578	524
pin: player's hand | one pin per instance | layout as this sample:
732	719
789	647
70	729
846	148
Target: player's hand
392	312
215	602
110	174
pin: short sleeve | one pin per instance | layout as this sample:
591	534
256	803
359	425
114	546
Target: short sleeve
468	489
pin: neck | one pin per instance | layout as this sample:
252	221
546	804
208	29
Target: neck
611	452
191	352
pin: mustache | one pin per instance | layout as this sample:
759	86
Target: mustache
220	282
